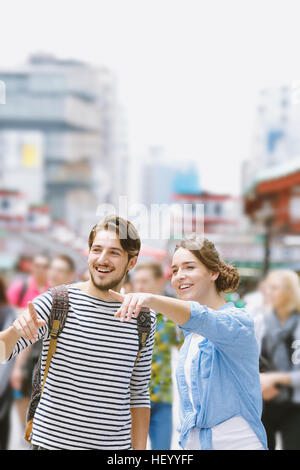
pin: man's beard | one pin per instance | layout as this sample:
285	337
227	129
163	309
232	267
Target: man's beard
110	284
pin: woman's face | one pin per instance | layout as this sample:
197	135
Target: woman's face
277	293
190	278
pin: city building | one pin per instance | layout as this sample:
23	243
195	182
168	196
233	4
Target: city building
271	179
59	137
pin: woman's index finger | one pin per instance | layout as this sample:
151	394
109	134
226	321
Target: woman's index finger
116	295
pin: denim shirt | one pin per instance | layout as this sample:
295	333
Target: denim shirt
224	373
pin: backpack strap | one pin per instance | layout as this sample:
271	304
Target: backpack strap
57	320
144	327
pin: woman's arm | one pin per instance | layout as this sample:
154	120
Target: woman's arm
174	309
226	329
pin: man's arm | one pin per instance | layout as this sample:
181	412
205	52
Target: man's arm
140	420
8	340
26	326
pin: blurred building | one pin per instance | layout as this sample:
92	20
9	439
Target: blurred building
276	137
59	137
271	178
157	177
222	213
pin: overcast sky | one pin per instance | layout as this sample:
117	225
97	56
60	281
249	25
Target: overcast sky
189	70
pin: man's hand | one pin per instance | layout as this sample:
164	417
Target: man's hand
131	304
27	324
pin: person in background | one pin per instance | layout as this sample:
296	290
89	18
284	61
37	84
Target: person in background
148	277
127	286
256	301
61	270
20	292
85	276
7	315
279	365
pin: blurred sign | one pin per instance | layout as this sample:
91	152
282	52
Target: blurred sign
30	156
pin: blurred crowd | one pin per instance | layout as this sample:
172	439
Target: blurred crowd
274	305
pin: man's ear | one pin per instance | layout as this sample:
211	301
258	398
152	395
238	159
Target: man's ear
132	263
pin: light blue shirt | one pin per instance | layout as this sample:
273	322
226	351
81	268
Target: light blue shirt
224	373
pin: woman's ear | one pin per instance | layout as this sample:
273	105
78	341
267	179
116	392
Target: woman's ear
214	276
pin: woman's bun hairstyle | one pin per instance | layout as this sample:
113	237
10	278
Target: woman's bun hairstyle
205	251
229	278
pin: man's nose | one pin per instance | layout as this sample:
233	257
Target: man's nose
103	257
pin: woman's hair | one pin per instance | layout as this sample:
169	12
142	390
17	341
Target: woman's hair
205	251
127	233
291	282
3	298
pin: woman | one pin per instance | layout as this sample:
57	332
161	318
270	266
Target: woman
7	316
280	362
217	374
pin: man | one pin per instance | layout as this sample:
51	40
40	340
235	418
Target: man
148	277
95	396
19	294
61	270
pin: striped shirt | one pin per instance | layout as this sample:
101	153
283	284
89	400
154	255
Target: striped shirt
92	382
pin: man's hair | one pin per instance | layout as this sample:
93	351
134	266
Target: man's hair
127	233
68	260
156	269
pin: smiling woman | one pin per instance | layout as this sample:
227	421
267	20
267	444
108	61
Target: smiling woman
220	351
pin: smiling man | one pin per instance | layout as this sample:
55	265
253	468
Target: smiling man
95	395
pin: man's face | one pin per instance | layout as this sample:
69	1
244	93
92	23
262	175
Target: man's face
108	261
40	268
144	281
60	273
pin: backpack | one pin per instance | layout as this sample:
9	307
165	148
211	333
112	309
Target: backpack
57	320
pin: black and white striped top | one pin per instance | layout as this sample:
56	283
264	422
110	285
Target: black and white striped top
92	382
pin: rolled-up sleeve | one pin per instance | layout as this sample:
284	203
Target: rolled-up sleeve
224	327
140	378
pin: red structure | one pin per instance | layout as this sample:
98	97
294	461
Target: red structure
282	193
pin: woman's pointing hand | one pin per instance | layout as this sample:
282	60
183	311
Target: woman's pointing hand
131	304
